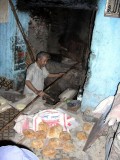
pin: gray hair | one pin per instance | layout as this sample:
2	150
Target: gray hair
42	54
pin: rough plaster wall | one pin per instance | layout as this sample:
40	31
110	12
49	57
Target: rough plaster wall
103	74
12	66
6	34
38	34
68	27
55	28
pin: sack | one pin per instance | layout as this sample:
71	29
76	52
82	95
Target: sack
50	116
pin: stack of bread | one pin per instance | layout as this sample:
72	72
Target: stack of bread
50	139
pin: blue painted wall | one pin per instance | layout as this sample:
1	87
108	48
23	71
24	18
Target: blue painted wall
104	65
10	42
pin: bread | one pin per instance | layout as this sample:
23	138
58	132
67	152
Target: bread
59	127
29	133
40	134
81	135
43	126
54	131
20	106
68	147
54	143
2	101
65	136
87	126
49	152
37	144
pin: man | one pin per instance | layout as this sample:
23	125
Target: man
36	74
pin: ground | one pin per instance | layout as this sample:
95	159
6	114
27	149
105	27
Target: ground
96	150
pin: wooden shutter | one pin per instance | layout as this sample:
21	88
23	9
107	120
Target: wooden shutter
112	8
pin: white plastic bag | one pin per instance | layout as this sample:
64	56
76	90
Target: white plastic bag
101	108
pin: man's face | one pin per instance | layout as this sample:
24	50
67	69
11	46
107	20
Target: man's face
42	61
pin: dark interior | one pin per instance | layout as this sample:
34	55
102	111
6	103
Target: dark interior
64	30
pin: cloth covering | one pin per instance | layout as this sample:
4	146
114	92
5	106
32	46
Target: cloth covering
16	153
36	75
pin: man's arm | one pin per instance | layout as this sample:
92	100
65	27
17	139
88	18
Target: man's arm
55	75
37	92
30	86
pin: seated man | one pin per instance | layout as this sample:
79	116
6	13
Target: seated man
36	74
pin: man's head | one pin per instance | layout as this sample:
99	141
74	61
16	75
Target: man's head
42	58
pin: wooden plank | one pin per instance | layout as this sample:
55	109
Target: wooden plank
3	11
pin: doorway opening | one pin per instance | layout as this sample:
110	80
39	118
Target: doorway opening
66	35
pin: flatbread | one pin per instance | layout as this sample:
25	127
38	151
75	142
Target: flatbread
81	135
65	136
68	147
29	133
87	126
54	131
54	143
43	126
49	152
20	106
40	134
37	144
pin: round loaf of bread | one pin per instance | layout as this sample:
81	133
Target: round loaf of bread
37	144
54	131
81	135
59	127
29	133
87	126
40	134
54	143
43	126
2	101
68	147
20	106
49	152
65	136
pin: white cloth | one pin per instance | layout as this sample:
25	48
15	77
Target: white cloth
114	115
16	153
103	105
36	75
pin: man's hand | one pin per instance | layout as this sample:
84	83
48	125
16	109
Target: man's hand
60	74
40	93
57	75
113	116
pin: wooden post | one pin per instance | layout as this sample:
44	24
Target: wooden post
29	48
